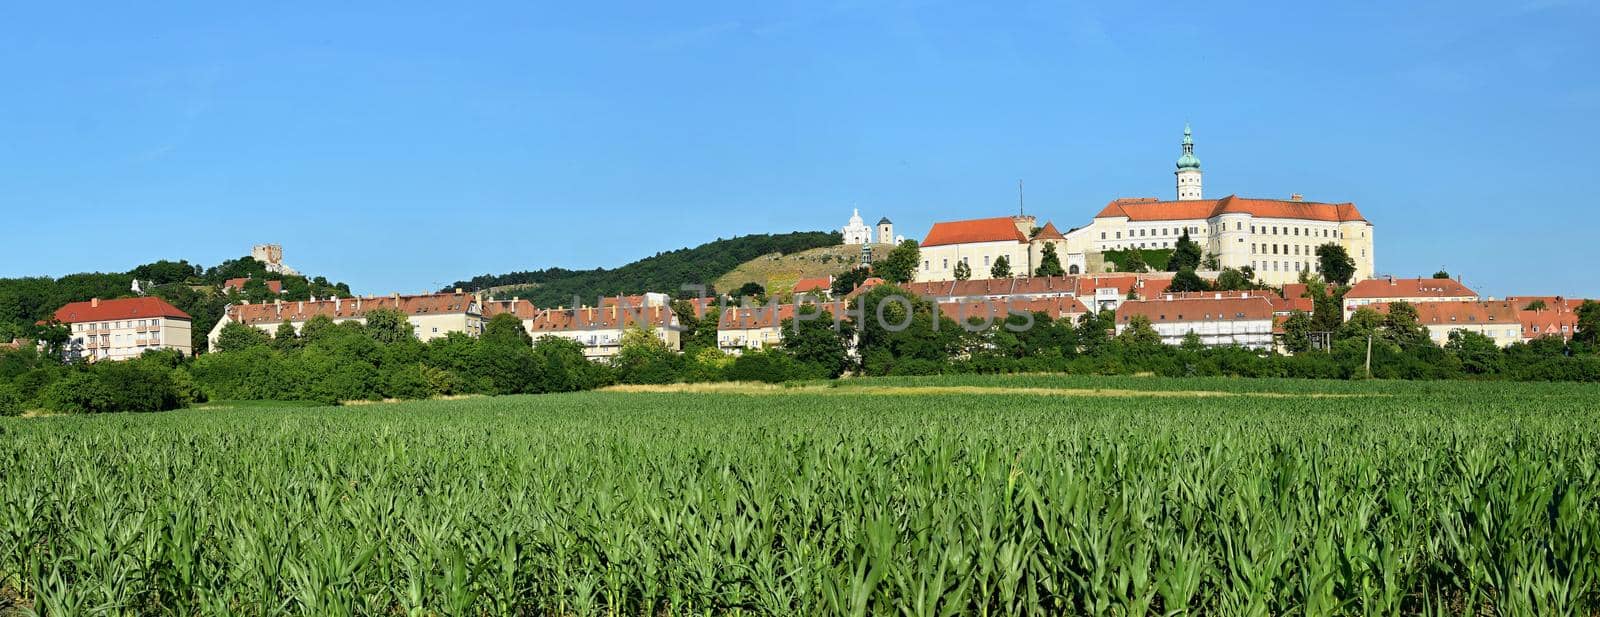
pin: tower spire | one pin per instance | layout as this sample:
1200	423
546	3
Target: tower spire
1188	168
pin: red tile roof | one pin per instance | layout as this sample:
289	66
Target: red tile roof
1049	232
1197	309
996	310
122	308
1151	209
239	283
1558	322
999	229
772	316
820	283
521	309
607	318
1409	288
352	308
1462	313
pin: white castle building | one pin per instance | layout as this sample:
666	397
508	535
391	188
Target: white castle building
1277	238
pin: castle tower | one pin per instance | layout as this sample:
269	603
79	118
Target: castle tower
1188	169
885	231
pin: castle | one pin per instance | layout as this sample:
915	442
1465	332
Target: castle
1276	238
271	255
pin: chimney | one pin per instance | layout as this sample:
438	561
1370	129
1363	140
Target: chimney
336	303
1296	197
94	303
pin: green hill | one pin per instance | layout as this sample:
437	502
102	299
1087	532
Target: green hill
664	272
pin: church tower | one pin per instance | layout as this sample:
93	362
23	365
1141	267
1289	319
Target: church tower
1188	169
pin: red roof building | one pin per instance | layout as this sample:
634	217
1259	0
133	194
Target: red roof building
123	328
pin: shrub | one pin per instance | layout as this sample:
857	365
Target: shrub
10	401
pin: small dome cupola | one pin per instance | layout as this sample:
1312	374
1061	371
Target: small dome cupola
1188	160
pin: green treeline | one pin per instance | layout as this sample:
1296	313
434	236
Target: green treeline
334	363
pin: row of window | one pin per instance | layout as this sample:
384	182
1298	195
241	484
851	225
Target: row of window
140	323
1284	266
1238	226
1276	248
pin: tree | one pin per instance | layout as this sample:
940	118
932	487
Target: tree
1479	355
1536	305
1212	262
285	338
1192	342
1135	261
644	358
848	281
1233	280
1363	323
1139	334
751	289
1403	327
1441	275
1335	263
815	343
1297	332
10	401
388	326
1187	280
506	330
1001	268
963	272
316	329
1588	330
901	264
1049	262
1186	254
238	337
1094	330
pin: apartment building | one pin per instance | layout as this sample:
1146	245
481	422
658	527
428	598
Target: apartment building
431	315
1221	320
1412	291
123	328
599	329
761	327
1499	320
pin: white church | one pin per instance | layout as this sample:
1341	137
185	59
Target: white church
857	232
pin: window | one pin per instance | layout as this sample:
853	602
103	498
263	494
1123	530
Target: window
1238	226
1119	235
1102	235
986	260
947	264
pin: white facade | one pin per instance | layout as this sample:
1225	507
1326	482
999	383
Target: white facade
123	339
856	231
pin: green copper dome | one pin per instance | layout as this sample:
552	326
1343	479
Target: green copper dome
1188	160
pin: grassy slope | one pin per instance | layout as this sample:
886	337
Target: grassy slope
778	272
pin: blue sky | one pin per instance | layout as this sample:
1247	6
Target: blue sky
403	147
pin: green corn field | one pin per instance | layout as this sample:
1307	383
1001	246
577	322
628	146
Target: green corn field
994	496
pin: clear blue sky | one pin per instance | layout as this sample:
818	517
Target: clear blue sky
401	148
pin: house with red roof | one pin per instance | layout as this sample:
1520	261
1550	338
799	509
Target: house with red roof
1412	291
982	243
123	328
237	285
431	315
1221	319
1497	319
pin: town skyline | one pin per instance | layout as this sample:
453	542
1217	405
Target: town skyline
603	141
